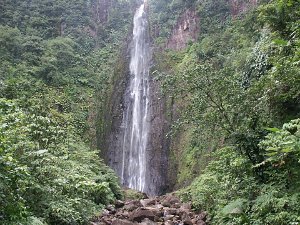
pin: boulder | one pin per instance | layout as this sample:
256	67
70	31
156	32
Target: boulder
121	222
159	206
170	200
139	215
202	215
170	211
177	205
166	203
156	211
169	222
106	221
186	206
147	222
132	205
122	214
200	222
111	209
161	210
187	222
185	216
168	217
119	204
147	202
105	212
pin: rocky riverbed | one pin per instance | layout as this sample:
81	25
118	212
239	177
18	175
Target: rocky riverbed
162	210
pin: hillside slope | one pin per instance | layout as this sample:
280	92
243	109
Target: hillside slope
226	84
56	68
230	74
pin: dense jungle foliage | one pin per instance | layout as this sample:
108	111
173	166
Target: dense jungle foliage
56	62
233	86
236	91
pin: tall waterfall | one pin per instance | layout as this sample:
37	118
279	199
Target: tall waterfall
135	122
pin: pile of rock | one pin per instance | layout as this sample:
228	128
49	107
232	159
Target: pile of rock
162	210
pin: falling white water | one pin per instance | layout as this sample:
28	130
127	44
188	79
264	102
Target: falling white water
136	115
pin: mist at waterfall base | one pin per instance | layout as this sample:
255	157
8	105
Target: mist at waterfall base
135	123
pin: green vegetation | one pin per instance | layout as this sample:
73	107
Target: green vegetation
56	64
131	194
240	79
47	171
236	93
163	17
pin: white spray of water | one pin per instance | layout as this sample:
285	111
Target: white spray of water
136	116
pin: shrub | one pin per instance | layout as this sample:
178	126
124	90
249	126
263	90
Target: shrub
48	171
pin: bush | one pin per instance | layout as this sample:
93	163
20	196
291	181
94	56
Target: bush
232	194
48	171
224	188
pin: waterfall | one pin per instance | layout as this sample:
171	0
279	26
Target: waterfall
135	123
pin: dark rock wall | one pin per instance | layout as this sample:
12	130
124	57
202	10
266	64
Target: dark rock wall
188	25
185	30
112	132
112	117
162	152
158	144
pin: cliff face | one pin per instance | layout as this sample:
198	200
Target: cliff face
109	143
185	30
158	145
188	25
163	153
110	137
188	28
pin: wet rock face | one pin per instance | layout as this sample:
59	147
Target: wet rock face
185	30
188	24
158	143
112	118
163	210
